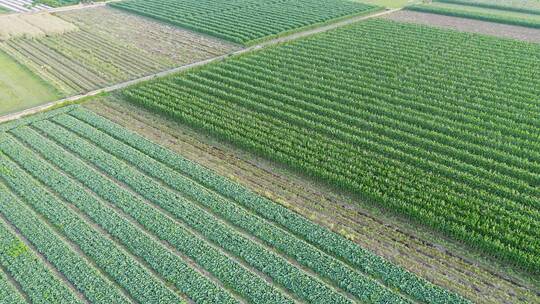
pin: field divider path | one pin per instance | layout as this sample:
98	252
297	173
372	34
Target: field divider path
293	36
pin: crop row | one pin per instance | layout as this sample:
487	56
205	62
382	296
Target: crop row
401	131
8	293
249	203
247	21
35	279
229	272
76	269
166	264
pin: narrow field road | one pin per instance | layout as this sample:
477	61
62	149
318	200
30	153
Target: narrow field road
293	36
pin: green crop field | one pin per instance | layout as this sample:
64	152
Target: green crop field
122	219
376	108
527	17
245	21
19	88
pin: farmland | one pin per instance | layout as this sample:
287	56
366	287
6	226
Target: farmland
245	21
133	209
280	151
22	6
526	17
80	61
440	159
398	241
19	88
468	25
169	43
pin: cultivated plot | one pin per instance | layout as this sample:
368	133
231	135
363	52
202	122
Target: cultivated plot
245	21
167	42
90	211
81	61
438	125
444	263
32	26
494	13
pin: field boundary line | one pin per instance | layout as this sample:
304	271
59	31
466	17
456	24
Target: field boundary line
293	36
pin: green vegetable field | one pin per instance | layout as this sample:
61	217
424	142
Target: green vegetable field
375	108
245	21
92	212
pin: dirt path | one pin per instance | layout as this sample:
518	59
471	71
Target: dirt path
122	85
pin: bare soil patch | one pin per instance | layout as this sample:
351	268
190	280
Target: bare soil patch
420	251
33	25
164	41
468	25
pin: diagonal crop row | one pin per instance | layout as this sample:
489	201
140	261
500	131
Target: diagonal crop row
167	264
85	277
35	280
8	293
185	279
247	21
212	228
329	242
128	273
306	255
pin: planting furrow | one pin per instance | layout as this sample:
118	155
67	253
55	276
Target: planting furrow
140	283
41	67
52	64
205	223
80	72
9	293
305	230
167	264
157	223
226	270
75	268
36	280
340	274
123	55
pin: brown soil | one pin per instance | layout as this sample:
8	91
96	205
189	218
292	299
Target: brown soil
32	25
468	25
420	251
177	45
